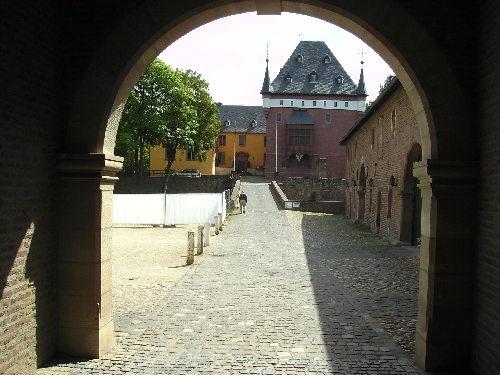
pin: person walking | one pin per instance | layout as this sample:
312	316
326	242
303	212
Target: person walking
243	202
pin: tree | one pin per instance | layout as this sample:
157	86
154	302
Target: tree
159	97
388	80
170	108
199	136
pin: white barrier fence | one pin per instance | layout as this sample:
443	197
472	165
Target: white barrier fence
169	209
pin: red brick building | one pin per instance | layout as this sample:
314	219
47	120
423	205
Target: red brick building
309	106
382	147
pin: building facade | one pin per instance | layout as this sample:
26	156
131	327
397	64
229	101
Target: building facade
309	106
242	139
381	149
184	159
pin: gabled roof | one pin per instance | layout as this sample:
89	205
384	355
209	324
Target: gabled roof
313	57
392	88
300	117
240	118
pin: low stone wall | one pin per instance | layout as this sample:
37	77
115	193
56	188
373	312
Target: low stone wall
313	189
328	207
176	185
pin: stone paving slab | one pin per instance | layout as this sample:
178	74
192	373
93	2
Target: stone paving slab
279	292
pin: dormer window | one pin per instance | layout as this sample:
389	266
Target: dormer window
339	79
300	58
313	77
326	59
254	123
288	78
227	122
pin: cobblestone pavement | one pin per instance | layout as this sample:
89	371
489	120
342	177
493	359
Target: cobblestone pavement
279	292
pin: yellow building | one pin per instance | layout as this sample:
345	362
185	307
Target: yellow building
242	138
184	159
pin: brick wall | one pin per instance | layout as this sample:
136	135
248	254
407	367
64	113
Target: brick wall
176	185
487	293
383	152
27	146
301	189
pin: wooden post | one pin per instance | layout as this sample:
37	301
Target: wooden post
190	253
199	247
206	236
216	220
220	221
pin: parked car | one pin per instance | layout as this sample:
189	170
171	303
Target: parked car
188	173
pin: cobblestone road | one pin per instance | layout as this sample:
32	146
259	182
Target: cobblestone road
279	292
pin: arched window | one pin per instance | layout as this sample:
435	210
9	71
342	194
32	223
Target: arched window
339	79
326	59
288	78
300	58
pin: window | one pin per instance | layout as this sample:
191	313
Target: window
291	102
227	122
283	164
300	58
324	103
346	104
221	158
373	138
299	136
190	155
278	117
281	102
335	104
326	59
393	123
328	118
242	140
314	103
254	123
302	103
340	80
288	78
222	140
265	140
313	77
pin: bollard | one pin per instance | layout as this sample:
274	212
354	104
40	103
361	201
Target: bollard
199	243
206	236
216	220
190	254
220	221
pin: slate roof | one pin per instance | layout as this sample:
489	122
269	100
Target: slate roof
240	119
313	60
300	118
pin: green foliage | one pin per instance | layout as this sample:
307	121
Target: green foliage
170	108
388	80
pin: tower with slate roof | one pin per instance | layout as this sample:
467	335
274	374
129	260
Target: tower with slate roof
309	107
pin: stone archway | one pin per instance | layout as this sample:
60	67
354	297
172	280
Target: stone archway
407	197
87	166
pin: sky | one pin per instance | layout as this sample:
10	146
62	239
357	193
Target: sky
230	53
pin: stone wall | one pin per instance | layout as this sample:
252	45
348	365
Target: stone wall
29	120
176	185
377	151
284	202
487	291
313	189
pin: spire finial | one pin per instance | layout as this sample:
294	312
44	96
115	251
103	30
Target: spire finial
362	57
267	53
